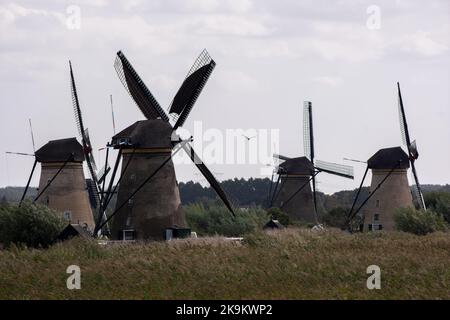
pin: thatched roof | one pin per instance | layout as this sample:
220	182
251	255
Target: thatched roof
145	134
300	165
60	150
389	158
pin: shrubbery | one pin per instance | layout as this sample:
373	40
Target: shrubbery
419	222
439	202
31	225
212	219
336	217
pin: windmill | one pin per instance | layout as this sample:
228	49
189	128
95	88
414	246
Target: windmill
292	191
148	200
389	187
96	183
62	184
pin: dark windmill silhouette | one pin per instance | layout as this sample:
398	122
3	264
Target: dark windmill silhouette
389	188
96	183
148	200
292	191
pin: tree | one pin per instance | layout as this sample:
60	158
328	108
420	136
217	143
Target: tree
439	202
336	217
419	222
30	224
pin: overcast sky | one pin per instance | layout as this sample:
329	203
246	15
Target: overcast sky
270	55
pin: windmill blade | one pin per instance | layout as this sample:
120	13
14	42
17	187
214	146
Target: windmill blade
191	88
308	137
103	173
112	114
208	175
417	189
76	103
32	135
20	153
89	157
314	197
281	157
334	168
137	89
402	117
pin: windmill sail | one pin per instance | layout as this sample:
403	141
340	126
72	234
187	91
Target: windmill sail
76	103
281	157
208	176
191	88
334	168
412	149
308	137
137	89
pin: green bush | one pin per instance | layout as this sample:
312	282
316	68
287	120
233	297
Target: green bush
336	217
418	221
439	202
31	225
213	219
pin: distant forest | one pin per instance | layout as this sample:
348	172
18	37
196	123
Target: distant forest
243	193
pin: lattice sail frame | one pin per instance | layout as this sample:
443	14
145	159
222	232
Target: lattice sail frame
307	139
140	94
335	168
202	60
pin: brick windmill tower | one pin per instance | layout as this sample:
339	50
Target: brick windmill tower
62	185
389	188
295	189
148	199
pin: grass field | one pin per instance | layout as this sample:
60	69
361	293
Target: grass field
289	264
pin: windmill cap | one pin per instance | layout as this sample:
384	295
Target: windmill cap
389	158
145	134
300	165
60	150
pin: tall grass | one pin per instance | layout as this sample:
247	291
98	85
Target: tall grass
287	264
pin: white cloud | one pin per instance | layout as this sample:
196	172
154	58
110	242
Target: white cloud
421	42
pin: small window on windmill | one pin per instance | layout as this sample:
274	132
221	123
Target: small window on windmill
376	217
128	235
68	215
128	222
47	200
130	202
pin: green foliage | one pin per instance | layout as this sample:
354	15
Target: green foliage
278	214
31	225
211	219
439	202
336	217
418	221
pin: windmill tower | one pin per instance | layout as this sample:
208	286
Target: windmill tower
389	188
148	200
296	176
62	184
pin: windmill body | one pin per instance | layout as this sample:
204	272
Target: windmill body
145	146
295	190
67	192
148	203
389	189
394	191
295	173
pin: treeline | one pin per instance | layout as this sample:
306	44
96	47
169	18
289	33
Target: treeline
253	192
